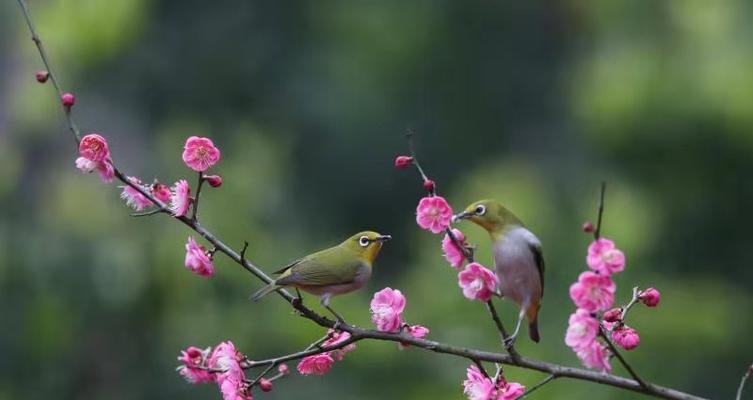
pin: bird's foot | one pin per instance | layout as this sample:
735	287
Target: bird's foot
339	322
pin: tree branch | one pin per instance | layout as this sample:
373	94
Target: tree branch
742	382
358	334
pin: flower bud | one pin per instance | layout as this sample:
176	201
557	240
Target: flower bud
42	76
650	297
265	385
283	369
214	181
68	99
613	315
403	161
588	227
626	337
429	185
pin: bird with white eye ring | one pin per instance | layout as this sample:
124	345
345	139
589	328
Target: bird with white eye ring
518	260
331	272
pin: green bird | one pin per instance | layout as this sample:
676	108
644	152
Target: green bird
334	271
518	260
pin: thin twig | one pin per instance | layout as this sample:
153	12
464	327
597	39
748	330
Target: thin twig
480	367
52	76
261	375
622	359
633	301
200	183
742	382
409	136
597	232
537	386
501	328
148	213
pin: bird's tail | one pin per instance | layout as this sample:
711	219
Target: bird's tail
533	322
263	291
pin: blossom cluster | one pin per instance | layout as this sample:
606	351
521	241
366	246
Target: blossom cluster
221	365
387	308
478	386
320	364
593	295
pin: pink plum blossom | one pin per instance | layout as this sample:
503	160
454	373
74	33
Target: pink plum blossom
477	386
582	329
180	198
94	147
452	252
318	364
477	282
133	197
234	388
197	259
626	337
225	357
335	338
387	307
161	192
104	168
595	356
283	369
593	292
192	358
417	331
604	257
510	391
265	385
433	214
650	297
199	153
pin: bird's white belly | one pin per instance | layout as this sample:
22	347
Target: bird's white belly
515	266
364	274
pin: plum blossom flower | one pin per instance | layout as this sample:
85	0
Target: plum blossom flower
68	99
477	282
510	391
452	252
214	181
593	292
234	388
94	147
199	153
104	168
417	331
318	364
192	358
180	198
477	386
336	337
604	257
133	197
433	214
626	337
161	192
595	356
387	307
283	369
582	329
197	259
225	357
650	297
265	385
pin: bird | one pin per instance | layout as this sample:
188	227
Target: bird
337	270
518	260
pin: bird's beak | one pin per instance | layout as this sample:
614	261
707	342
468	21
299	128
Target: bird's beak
461	216
383	238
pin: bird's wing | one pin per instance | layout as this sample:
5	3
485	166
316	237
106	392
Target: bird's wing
538	257
285	268
322	269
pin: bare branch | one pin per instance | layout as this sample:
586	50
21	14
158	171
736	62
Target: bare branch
742	382
537	386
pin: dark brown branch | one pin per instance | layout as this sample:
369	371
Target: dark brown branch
199	185
359	333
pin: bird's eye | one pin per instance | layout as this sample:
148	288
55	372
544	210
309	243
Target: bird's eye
480	210
364	241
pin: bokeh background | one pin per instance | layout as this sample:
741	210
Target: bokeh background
530	102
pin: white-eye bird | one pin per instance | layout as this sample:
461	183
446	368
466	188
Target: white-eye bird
518	260
334	271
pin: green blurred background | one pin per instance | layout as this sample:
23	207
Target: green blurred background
530	102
